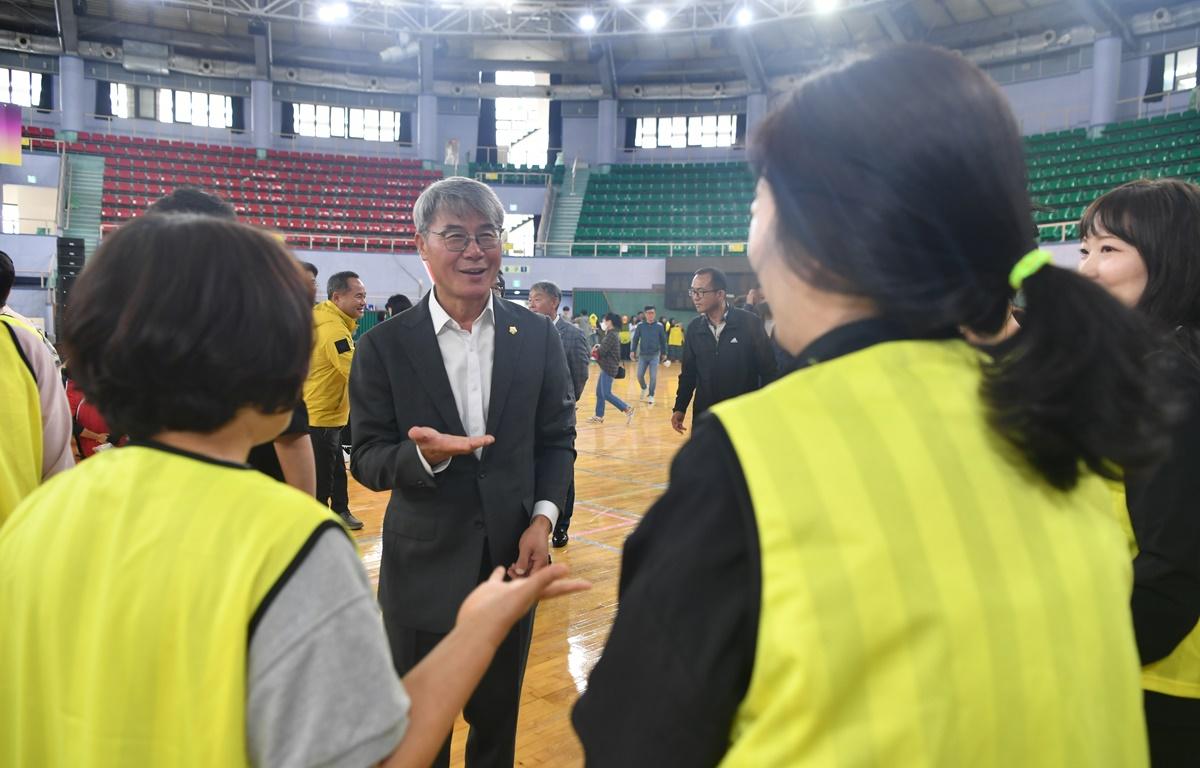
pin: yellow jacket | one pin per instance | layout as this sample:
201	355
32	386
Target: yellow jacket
326	391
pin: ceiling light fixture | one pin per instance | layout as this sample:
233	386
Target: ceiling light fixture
587	22
825	7
329	12
744	16
656	18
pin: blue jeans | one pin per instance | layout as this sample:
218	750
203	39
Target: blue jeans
604	392
650	362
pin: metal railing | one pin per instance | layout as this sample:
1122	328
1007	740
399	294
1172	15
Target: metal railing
1061	227
514	177
630	250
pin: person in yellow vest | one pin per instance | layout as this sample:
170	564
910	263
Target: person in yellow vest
902	553
35	418
165	604
327	389
1139	243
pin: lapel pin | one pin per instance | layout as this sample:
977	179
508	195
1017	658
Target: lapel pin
512	329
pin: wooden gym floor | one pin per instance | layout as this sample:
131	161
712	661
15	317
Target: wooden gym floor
620	471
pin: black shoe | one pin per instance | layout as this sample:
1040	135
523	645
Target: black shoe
352	522
560	539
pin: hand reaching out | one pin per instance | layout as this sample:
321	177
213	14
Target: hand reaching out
533	553
436	447
495	605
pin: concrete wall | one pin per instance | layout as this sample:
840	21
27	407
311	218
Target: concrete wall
529	200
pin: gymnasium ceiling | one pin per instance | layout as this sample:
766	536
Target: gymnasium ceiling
701	41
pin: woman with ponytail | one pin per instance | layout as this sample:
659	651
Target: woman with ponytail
1140	244
902	553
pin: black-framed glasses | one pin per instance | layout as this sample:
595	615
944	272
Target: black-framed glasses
457	242
700	292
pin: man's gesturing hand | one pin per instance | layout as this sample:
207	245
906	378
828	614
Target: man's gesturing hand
437	447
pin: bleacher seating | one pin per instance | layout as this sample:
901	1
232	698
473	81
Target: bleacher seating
1068	170
698	207
320	200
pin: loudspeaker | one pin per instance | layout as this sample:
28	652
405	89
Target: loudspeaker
70	264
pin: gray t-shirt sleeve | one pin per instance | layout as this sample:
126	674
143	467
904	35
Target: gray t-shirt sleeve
321	688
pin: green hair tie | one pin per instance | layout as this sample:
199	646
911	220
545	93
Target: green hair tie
1029	264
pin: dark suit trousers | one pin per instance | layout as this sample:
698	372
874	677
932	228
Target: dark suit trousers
564	518
331	467
492	709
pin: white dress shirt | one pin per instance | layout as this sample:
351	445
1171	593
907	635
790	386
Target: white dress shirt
468	357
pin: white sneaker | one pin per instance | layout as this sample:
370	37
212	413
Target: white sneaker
595	420
629	416
643	394
650	400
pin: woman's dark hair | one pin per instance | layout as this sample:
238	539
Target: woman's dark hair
214	315
1161	218
614	318
900	178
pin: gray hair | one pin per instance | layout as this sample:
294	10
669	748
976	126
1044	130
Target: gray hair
339	282
459	196
548	288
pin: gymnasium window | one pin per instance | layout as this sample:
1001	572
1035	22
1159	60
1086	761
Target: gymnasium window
691	131
20	87
322	121
523	123
166	105
1179	70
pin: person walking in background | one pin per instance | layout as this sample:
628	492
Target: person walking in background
608	355
624	335
726	352
675	341
648	347
1139	244
543	299
585	327
326	391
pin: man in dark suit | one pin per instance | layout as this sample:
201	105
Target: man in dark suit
544	298
462	408
726	352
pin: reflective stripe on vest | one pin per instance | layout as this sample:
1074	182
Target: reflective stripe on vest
926	600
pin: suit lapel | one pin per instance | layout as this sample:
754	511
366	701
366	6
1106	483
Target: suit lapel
504	360
421	345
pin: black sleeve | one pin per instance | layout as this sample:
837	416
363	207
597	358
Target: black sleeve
678	662
687	373
299	423
764	353
1164	508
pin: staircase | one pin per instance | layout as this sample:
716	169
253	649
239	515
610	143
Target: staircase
85	180
567	208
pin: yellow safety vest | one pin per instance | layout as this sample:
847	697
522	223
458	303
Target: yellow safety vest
20	422
1179	673
926	600
128	586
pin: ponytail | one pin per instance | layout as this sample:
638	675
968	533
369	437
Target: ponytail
1077	386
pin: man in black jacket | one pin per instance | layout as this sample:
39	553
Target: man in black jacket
726	352
462	409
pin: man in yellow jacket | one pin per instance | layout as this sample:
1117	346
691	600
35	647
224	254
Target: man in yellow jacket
326	391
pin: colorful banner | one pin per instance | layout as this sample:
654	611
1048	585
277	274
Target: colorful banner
10	134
